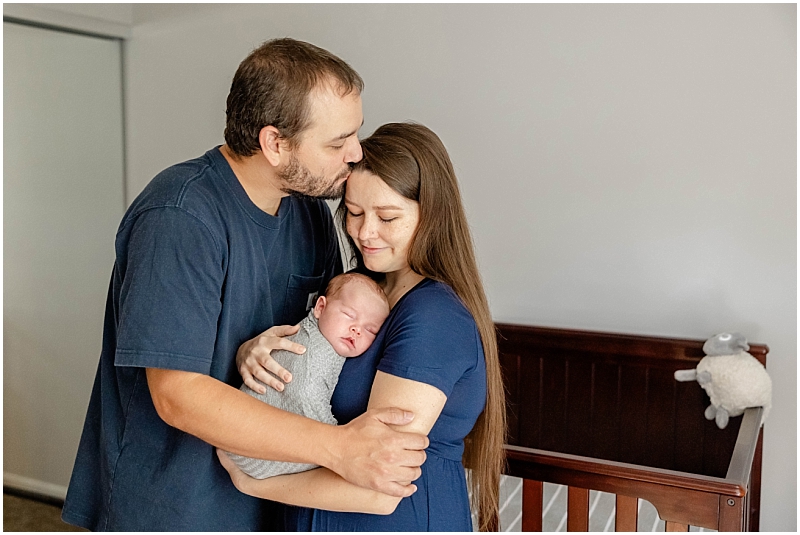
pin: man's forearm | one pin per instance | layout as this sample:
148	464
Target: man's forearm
230	419
365	452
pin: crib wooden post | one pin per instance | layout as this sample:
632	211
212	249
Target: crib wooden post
674	526
731	513
753	500
577	509
532	492
627	513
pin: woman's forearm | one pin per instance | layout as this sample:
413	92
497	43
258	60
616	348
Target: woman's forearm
321	489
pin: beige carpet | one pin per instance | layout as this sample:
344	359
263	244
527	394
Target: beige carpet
21	514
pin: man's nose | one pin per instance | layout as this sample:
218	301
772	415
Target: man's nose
354	152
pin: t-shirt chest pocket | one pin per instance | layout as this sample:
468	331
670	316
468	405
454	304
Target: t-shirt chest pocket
301	295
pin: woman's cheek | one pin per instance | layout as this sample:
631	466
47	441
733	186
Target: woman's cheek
352	231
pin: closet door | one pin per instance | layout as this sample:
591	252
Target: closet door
62	202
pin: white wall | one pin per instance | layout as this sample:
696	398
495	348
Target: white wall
628	168
111	20
62	93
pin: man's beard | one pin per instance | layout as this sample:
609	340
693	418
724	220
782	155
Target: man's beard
300	182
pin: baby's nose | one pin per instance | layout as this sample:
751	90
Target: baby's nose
355	330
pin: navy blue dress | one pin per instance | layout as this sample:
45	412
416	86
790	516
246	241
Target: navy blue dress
432	338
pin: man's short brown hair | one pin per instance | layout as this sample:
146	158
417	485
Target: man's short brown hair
271	87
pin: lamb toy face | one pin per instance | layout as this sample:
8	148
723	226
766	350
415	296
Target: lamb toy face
725	344
732	378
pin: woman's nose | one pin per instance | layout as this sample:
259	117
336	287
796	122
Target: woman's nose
367	228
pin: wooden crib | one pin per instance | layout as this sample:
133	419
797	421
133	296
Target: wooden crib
603	411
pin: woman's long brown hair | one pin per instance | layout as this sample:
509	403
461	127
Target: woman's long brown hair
413	161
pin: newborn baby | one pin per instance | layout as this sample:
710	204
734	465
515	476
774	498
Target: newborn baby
343	323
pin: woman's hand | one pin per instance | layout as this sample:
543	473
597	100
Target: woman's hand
254	359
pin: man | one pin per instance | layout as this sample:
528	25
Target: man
214	252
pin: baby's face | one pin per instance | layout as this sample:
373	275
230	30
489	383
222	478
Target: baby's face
351	319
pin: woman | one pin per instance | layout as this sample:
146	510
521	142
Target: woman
436	354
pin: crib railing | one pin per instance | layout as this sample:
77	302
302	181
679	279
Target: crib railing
681	499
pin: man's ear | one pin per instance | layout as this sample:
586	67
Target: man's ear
273	146
320	306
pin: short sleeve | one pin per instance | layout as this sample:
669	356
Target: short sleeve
432	339
172	273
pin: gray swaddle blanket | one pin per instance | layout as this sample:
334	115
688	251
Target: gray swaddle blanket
314	376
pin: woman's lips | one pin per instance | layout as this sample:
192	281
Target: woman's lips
371	250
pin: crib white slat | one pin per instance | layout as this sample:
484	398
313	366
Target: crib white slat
594	502
551	501
511	497
601	511
610	519
655	523
562	524
516	525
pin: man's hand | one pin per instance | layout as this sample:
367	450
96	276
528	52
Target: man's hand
370	454
254	359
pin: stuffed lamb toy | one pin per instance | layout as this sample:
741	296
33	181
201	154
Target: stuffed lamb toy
732	378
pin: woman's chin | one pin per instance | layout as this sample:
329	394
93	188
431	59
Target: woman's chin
372	266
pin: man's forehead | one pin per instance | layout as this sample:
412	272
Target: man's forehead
332	115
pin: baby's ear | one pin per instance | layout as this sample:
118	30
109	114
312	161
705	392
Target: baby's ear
320	306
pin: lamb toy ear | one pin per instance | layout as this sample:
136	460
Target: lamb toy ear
725	344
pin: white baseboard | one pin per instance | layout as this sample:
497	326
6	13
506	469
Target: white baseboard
28	484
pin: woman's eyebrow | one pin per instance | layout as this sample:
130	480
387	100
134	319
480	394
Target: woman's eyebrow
382	207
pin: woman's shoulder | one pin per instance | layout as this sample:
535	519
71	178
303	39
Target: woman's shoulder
431	337
436	303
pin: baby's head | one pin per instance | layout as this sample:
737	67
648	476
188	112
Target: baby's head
351	312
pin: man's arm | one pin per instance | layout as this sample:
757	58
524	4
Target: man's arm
365	452
321	488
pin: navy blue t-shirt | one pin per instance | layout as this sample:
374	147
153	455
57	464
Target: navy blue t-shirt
199	270
429	337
